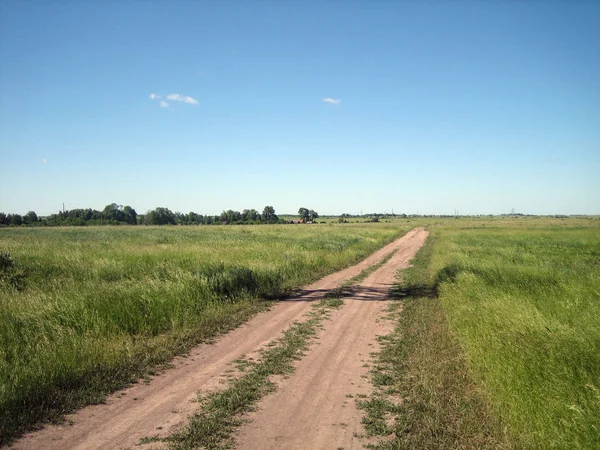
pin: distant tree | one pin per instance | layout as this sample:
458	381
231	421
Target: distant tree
180	218
114	212
30	218
250	215
3	219
231	216
15	219
269	215
312	215
130	215
375	219
160	216
304	213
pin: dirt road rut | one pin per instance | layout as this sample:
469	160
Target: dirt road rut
315	407
310	410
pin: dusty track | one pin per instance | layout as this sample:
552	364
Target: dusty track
313	409
308	404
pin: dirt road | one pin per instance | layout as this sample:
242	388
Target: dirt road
310	410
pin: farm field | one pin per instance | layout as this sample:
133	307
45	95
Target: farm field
84	311
498	343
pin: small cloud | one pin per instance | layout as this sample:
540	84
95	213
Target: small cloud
332	101
183	99
44	160
172	98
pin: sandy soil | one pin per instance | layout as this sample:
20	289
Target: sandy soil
312	400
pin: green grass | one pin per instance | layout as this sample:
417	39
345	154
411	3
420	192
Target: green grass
222	412
84	311
498	342
424	396
524	304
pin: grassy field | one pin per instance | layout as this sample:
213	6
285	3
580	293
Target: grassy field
84	311
499	340
424	395
524	303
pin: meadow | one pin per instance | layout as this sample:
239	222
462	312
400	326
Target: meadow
84	311
498	343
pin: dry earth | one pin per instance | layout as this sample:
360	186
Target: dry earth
309	410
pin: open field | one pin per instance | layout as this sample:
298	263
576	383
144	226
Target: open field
498	343
84	311
524	304
268	344
496	340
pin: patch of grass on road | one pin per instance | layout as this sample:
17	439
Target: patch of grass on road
221	413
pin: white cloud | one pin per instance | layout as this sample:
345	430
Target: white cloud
332	101
172	98
183	99
44	160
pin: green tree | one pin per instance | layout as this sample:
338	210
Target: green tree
304	213
114	212
30	218
130	215
159	216
269	215
253	215
15	219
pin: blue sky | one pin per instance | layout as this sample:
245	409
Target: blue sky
426	107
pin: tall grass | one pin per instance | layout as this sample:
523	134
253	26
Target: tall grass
523	300
84	311
424	395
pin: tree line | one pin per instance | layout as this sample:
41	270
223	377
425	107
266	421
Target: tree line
114	214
